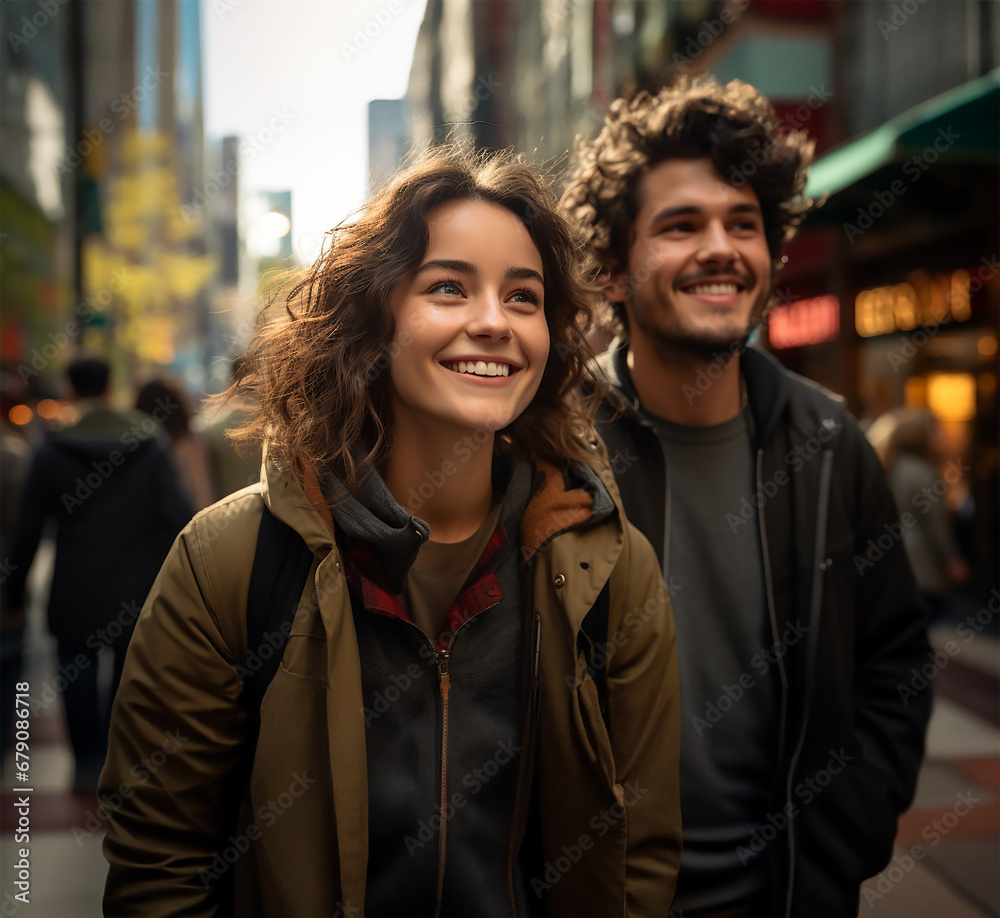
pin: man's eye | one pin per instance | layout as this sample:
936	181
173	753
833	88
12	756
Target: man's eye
678	228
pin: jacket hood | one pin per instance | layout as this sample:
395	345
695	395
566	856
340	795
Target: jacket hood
102	429
768	392
557	500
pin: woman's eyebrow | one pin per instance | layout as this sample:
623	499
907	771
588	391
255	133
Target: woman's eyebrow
450	264
524	274
467	267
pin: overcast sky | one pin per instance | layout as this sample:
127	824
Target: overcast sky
304	72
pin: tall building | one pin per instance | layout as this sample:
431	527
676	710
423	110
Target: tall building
37	192
115	87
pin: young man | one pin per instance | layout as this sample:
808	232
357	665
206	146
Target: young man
106	487
802	733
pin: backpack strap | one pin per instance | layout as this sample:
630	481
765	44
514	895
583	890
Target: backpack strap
595	626
281	564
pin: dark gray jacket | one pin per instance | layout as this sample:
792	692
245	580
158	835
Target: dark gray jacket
107	486
851	724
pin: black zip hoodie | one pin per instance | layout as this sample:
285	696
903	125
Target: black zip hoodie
850	745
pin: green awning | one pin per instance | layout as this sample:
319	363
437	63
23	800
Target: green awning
967	118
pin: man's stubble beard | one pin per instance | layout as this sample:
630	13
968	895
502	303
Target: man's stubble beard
693	348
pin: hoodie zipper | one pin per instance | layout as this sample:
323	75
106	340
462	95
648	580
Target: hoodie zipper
522	799
444	683
441	658
815	604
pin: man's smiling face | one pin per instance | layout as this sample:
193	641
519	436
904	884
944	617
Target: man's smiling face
699	269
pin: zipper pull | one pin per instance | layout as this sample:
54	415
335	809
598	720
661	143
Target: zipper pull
538	648
442	662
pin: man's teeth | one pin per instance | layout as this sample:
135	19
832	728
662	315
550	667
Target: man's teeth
481	368
714	289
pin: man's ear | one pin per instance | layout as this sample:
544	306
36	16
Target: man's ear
614	284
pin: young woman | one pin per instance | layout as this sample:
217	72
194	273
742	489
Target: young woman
442	737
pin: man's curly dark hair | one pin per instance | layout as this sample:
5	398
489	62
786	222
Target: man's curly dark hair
733	125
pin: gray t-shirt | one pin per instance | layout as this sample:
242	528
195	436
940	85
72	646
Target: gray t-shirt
728	735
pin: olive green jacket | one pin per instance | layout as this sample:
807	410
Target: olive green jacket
607	786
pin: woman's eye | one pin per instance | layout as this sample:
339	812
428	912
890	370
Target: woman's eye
524	296
447	288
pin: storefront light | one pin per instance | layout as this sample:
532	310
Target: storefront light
47	408
952	396
926	300
20	415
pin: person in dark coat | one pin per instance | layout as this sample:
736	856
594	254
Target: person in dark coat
800	632
107	487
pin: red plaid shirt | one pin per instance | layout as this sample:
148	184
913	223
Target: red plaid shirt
482	591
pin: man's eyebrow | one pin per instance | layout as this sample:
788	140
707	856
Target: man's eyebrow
467	267
668	213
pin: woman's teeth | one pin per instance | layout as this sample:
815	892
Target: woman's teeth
480	368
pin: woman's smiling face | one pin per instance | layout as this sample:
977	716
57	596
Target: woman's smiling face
471	340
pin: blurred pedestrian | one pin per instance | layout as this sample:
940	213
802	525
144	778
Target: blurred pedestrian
107	486
756	488
905	440
167	403
233	467
441	710
15	459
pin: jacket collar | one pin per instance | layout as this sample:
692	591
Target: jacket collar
768	391
559	500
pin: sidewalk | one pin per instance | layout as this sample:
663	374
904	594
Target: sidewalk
948	846
947	851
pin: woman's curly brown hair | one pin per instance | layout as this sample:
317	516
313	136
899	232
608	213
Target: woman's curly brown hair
320	374
733	125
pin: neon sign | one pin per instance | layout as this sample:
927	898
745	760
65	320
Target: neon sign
804	322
